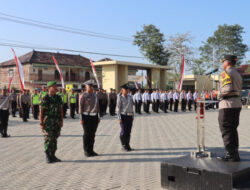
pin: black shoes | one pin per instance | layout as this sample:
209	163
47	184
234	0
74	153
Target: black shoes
55	159
51	158
230	157
90	154
5	135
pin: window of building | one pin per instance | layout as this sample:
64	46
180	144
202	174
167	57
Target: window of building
87	76
57	75
67	76
10	72
40	75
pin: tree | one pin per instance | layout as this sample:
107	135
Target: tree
198	67
227	39
178	45
151	43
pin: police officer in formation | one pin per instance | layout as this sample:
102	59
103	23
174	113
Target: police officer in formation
189	100
137	99
105	102
51	121
176	97
25	102
125	116
72	103
230	107
164	101
35	104
4	112
89	118
171	99
13	102
183	98
146	101
65	102
112	99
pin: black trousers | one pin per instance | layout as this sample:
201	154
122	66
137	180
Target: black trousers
126	127
65	107
157	105
35	111
138	107
4	118
183	104
146	106
13	108
190	105
228	122
171	104
72	110
164	106
112	106
25	111
101	107
195	105
176	103
89	127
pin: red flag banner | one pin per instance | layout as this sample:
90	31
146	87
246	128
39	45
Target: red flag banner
19	69
10	84
94	72
182	73
59	70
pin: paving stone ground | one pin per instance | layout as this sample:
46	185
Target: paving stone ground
156	137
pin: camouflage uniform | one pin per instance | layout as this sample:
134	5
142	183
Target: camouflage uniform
52	106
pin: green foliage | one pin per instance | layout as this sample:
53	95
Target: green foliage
151	43
227	39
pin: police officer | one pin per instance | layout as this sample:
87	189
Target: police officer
125	116
230	107
65	102
171	100
35	104
13	102
112	99
43	93
72	103
51	121
4	112
25	105
146	101
176	97
137	99
105	102
100	99
19	106
89	118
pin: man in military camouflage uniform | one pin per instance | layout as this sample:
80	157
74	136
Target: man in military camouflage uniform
230	107
51	121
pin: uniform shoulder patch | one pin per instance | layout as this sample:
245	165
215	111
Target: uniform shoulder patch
225	78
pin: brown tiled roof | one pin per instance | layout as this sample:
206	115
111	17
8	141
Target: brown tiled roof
46	58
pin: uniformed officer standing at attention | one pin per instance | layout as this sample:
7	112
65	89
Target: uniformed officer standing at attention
72	103
35	104
13	102
4	112
89	118
43	93
171	100
112	99
100	99
230	107
19	106
176	97
125	116
65	102
51	121
25	101
105	102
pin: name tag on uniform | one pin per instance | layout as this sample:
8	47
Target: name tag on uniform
225	79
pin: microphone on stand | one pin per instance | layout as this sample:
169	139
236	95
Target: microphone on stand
213	71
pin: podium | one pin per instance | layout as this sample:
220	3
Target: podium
201	151
203	171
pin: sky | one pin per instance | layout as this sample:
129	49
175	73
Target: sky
116	17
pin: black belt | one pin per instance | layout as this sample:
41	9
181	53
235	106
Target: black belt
227	97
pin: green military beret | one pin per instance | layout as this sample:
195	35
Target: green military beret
51	83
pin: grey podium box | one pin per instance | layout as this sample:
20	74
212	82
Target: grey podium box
190	173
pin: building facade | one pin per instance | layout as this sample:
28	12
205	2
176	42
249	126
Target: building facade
39	68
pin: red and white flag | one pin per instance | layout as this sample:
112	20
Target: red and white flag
182	73
19	69
59	70
136	85
94	71
10	84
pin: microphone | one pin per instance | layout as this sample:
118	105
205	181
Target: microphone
213	71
